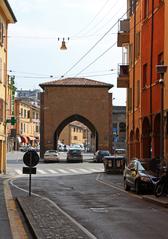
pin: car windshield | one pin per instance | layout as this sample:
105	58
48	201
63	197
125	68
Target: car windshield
140	167
105	153
74	151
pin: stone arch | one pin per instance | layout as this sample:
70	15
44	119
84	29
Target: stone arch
156	136
146	138
75	117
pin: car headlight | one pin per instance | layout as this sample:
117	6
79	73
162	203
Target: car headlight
145	179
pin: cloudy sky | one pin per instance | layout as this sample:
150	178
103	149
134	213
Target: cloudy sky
90	26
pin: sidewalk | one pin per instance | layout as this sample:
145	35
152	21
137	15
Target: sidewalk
47	221
5	231
161	201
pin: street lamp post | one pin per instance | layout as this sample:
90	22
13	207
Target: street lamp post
161	69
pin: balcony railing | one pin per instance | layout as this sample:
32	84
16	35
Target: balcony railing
123	34
123	76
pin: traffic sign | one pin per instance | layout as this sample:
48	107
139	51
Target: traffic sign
28	170
31	158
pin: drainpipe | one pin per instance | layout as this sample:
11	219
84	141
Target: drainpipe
151	75
133	83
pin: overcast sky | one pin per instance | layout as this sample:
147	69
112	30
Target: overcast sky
90	25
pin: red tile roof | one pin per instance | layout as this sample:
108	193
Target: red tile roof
76	82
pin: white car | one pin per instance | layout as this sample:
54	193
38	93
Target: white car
51	156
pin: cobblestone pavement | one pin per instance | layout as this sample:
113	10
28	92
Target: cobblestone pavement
47	221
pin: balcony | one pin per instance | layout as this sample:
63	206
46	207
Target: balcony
123	34
123	76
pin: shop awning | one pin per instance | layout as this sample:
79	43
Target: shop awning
19	139
30	138
24	139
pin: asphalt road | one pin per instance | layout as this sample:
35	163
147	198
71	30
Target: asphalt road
99	203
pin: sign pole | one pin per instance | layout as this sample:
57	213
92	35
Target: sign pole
30	167
30	183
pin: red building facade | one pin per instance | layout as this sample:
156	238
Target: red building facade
146	95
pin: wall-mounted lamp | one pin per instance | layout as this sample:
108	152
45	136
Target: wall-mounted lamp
63	44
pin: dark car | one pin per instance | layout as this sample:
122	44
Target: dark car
138	175
99	155
74	155
114	164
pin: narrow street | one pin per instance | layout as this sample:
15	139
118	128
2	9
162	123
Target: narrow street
97	202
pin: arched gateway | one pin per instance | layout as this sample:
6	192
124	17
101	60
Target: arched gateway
64	101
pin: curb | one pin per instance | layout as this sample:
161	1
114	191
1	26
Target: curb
27	220
159	201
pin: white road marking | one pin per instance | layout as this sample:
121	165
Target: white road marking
62	170
18	171
52	171
84	170
41	171
95	170
73	170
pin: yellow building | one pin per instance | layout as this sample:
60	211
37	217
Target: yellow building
75	133
6	17
27	123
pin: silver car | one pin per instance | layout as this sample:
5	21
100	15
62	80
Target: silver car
51	156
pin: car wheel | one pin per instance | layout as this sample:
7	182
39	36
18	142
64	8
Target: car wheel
137	187
159	189
126	187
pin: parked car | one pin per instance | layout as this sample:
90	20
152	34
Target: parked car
74	155
51	156
138	175
98	157
120	152
114	164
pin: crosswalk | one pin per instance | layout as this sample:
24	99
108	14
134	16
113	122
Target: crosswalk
60	171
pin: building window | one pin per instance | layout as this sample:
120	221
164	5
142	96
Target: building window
137	45
24	113
28	114
75	137
24	129
37	128
21	112
138	92
122	127
146	8
1	33
160	62
37	116
130	54
129	99
145	67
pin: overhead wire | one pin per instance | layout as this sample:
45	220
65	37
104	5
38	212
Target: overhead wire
98	24
96	59
93	19
81	58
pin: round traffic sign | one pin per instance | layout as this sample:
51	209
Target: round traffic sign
31	158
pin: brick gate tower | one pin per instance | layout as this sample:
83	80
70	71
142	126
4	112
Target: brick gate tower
64	101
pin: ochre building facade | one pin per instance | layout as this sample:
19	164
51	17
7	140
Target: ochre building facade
6	17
